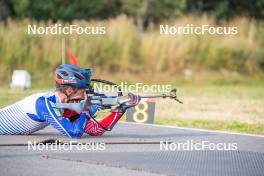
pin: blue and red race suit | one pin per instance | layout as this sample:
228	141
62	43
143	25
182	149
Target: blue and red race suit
38	111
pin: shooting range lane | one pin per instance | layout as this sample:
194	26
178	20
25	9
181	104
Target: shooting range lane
133	149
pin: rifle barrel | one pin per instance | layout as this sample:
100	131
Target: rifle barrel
155	96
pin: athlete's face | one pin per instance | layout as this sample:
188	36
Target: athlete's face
78	96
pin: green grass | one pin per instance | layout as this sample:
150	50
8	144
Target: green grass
214	125
229	107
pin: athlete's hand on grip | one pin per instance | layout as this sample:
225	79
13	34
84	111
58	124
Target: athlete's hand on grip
134	100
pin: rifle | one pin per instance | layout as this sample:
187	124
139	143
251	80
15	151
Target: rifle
106	101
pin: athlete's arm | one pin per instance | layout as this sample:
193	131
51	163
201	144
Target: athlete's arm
94	129
55	119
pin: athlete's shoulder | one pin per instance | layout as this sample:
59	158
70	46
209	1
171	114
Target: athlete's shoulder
47	94
47	102
46	97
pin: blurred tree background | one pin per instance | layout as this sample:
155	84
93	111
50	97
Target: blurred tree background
146	11
143	11
132	44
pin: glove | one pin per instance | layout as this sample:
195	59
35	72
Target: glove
134	100
91	111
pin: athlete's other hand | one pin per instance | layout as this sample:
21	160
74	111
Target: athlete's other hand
134	100
92	110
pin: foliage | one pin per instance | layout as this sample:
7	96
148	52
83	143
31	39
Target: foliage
125	50
144	12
